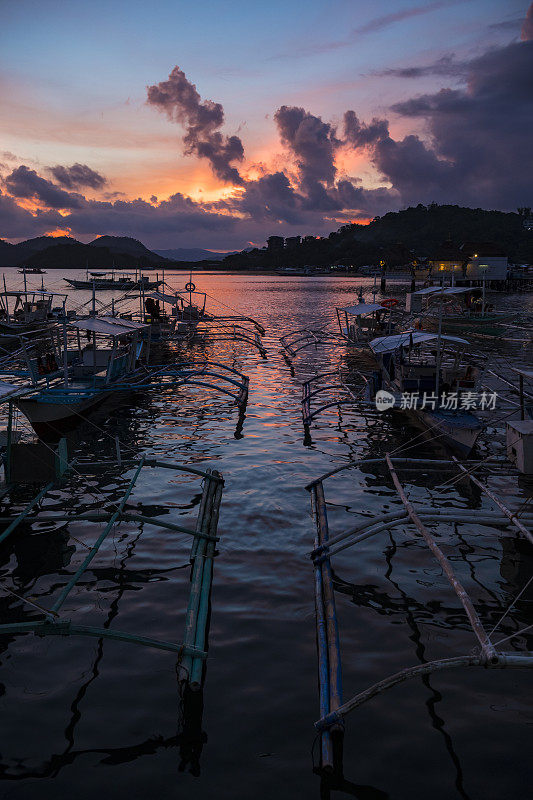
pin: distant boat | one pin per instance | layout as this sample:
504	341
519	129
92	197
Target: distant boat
295	271
32	271
109	280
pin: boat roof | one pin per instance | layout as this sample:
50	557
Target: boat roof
443	290
108	326
8	389
364	308
387	344
13	293
166	298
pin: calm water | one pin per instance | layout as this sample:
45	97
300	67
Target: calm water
88	719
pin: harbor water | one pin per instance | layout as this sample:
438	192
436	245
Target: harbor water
89	718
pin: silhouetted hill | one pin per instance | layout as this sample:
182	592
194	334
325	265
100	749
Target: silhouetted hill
191	254
80	256
399	236
125	244
14	255
6	250
64	252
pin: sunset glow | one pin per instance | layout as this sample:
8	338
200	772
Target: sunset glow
357	121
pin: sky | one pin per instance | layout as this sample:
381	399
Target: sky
218	124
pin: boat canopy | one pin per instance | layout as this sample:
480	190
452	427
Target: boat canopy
443	290
8	389
165	298
108	326
12	293
363	308
387	344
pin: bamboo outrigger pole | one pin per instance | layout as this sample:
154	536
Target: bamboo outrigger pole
202	554
330	671
487	648
516	522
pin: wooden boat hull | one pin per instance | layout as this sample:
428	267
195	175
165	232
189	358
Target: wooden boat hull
458	431
112	285
52	418
53	413
486	324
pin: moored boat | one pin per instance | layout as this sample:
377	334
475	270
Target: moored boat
434	387
458	309
81	378
113	280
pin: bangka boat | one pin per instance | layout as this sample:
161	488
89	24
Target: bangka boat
182	314
464	309
31	310
361	322
112	280
32	271
80	378
295	272
433	386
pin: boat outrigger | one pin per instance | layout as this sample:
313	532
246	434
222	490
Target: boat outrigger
417	521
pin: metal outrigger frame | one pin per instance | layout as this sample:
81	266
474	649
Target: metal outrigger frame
333	707
219	330
299	339
192	651
310	390
188	373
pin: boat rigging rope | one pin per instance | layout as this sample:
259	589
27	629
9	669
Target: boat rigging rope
517	598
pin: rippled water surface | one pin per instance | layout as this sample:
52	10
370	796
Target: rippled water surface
87	719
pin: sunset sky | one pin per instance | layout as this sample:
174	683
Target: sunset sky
218	124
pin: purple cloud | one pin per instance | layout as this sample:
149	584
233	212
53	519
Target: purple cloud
26	183
360	135
76	176
179	99
312	141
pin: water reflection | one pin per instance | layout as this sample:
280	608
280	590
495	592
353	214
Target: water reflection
262	638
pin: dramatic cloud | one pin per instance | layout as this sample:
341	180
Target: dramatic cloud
527	27
16	222
312	141
480	148
26	183
179	99
360	135
472	146
77	175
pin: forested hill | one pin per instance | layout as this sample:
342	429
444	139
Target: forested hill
400	235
